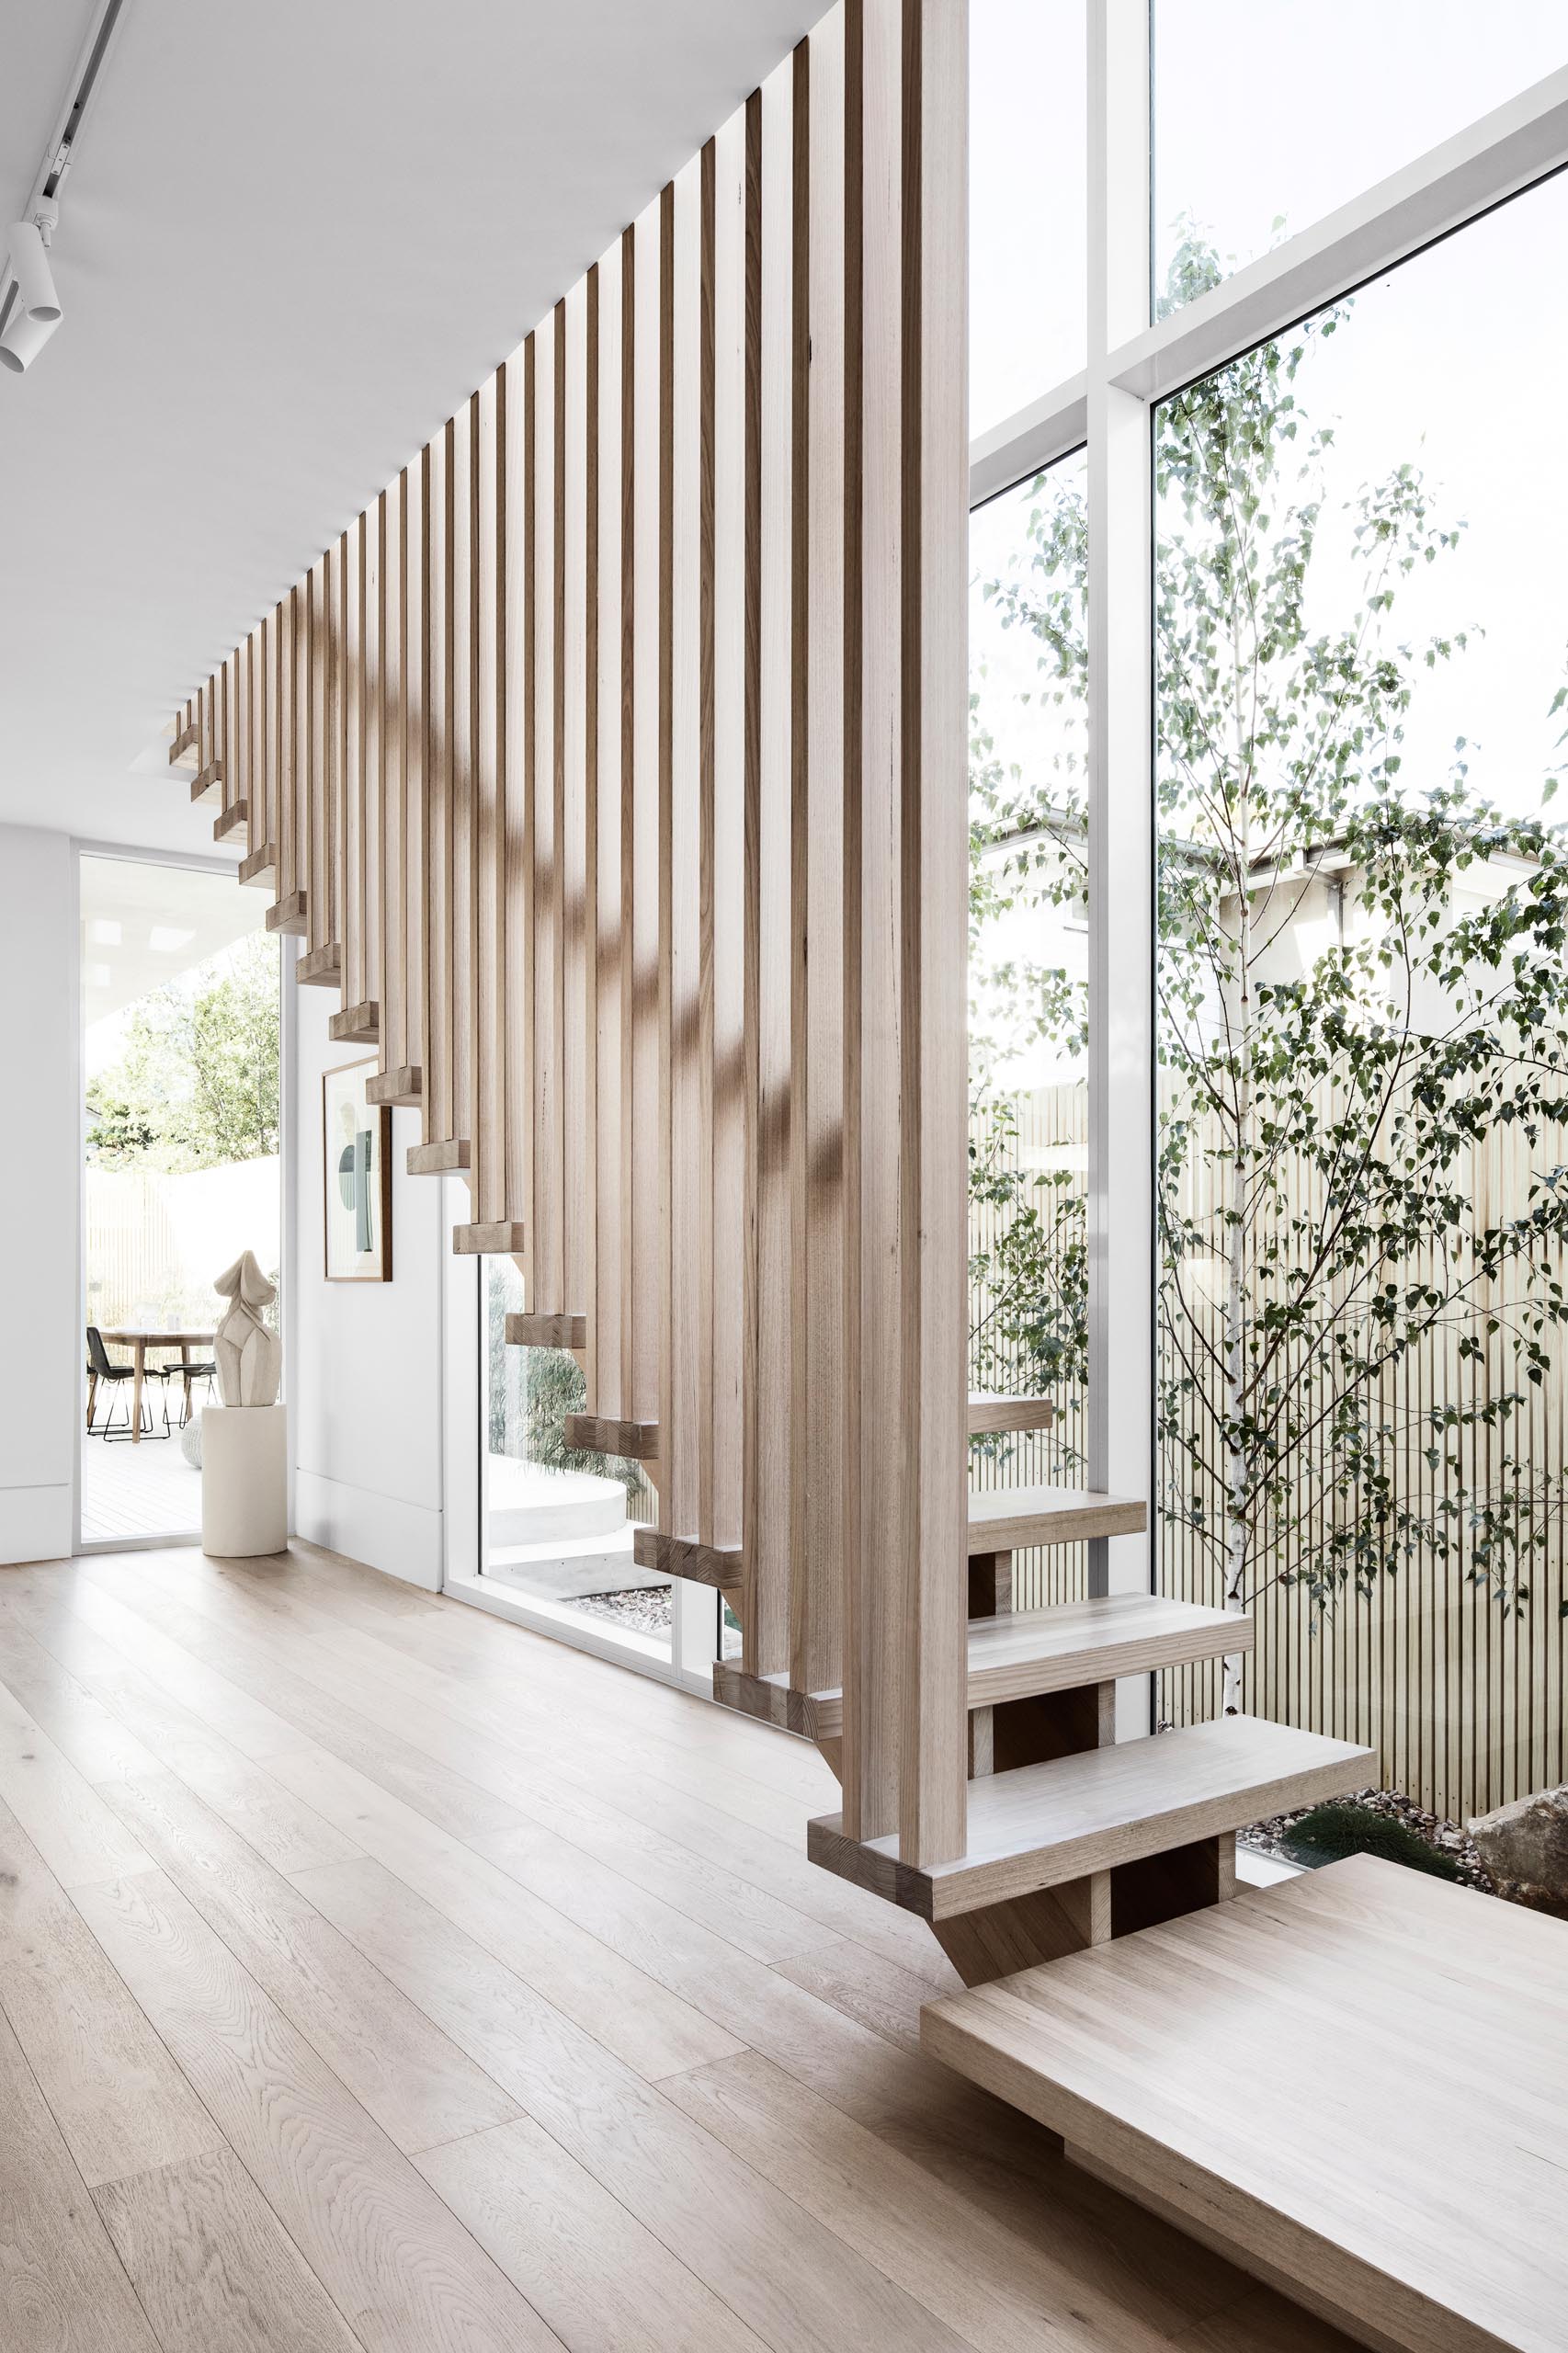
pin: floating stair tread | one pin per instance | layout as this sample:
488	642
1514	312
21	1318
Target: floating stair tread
439	1157
1011	1519
1022	1653
1044	1824
989	1415
528	1331
1293	2077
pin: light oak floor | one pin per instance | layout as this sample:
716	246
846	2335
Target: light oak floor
376	1974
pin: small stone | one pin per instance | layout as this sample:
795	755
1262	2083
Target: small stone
1525	1847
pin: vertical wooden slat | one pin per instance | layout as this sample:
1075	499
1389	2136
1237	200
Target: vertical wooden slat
372	727
571	759
685	1261
462	569
266	684
353	763
288	807
392	989
521	867
225	753
236	780
438	830
873	1628
548	1254
490	490
318	887
642	1163
773	360
336	714
935	872
602	727
817	1139
417	697
728	583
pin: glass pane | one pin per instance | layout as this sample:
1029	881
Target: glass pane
559	1521
1363	1002
1028	981
1269	115
1028	214
181	1060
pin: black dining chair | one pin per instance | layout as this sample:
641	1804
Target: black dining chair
190	1374
100	1367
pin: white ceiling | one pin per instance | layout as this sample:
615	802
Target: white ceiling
144	924
296	237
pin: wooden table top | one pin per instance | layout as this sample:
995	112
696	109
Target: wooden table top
128	1338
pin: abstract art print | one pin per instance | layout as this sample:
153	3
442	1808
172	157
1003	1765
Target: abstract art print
357	1178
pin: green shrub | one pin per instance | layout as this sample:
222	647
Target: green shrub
1329	1833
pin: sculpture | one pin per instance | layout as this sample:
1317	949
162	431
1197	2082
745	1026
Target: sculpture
249	1357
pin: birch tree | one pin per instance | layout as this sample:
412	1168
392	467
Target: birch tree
1321	1109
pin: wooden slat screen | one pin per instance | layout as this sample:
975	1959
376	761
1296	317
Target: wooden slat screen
613	766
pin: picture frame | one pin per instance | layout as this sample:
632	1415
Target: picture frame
356	1178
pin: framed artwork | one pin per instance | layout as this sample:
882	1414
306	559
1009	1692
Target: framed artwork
356	1177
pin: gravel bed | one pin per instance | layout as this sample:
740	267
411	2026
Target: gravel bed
1447	1837
645	1610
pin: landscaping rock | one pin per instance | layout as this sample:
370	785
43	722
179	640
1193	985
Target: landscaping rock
1525	1847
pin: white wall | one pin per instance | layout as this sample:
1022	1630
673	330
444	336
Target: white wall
39	1161
365	1363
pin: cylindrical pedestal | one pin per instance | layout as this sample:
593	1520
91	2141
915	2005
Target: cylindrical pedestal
244	1481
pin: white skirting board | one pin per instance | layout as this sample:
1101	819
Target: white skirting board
403	1539
35	1524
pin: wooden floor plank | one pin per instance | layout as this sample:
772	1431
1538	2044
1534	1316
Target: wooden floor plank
383	2247
992	2289
419	2088
61	2287
213	2266
654	2031
117	2095
592	1889
593	2272
792	2280
78	1838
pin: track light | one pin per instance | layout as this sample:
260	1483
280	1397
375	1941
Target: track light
22	338
30	266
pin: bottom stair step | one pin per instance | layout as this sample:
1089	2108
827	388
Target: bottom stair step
1044	1825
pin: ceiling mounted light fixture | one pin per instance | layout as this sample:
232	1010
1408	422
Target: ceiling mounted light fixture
29	303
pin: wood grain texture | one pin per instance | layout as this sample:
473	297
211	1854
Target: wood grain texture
381	2242
62	2290
118	2097
547	1331
626	1828
636	1442
214	2267
1341	2198
1010	1520
1043	1823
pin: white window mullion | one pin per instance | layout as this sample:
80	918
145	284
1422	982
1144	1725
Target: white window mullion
1121	1127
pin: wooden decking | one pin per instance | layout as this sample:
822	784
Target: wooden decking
1356	2080
376	1974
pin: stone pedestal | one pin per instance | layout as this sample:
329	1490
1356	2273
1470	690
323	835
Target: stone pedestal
244	1481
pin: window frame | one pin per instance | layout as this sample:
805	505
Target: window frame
1107	408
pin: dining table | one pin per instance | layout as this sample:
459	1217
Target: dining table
139	1342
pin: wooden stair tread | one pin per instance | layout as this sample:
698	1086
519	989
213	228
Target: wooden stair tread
1011	1519
989	1414
1045	1824
1379	2016
1020	1654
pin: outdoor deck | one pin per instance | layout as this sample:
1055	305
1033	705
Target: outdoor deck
131	1492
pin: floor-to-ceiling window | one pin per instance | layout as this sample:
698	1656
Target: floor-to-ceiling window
180	1034
1268	638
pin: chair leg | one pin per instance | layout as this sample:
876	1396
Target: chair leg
92	1392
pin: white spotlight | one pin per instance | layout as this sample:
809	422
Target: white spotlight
23	338
35	279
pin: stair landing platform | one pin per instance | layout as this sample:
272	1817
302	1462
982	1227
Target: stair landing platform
1354	2083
